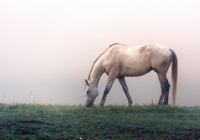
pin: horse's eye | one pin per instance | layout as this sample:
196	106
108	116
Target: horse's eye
88	92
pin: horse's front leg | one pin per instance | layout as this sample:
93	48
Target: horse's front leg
107	89
125	88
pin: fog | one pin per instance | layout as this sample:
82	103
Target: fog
47	48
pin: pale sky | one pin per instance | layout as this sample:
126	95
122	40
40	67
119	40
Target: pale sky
47	47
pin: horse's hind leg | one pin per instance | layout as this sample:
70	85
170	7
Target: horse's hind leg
160	102
164	89
125	88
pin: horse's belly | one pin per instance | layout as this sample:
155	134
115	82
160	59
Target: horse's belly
135	69
134	72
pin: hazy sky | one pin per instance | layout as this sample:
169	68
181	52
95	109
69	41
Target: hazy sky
47	47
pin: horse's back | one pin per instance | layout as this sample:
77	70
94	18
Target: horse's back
137	61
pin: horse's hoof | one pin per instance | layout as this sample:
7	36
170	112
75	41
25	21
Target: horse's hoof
100	105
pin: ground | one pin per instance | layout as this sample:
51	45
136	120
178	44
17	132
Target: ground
26	121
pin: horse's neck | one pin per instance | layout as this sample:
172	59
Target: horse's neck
96	73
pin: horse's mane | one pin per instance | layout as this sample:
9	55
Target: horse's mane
101	55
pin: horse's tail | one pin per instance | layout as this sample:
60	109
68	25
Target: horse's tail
174	75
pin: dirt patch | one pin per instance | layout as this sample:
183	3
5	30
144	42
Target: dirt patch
21	127
138	133
30	127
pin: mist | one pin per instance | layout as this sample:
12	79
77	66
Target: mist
47	48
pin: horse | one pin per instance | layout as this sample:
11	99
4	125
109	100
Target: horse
119	61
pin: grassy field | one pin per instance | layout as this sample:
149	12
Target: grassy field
44	122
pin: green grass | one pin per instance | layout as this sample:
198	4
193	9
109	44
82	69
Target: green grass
44	122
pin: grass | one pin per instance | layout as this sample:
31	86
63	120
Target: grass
51	122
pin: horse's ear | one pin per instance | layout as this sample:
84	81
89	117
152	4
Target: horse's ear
86	82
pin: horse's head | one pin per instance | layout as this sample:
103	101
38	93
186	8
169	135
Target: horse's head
91	93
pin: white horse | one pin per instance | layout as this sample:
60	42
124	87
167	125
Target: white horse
119	61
